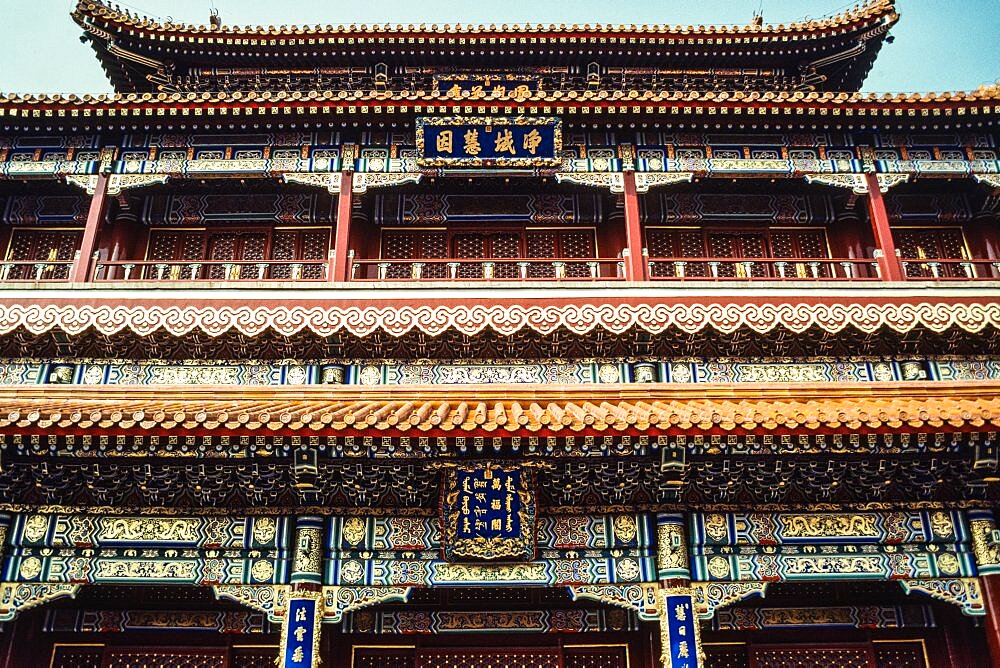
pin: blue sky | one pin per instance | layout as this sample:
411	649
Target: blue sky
939	45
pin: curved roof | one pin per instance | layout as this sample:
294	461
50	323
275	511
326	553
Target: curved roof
140	54
862	15
990	93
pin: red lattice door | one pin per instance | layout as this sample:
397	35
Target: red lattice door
488	658
42	246
471	246
242	247
595	657
671	246
560	244
505	246
900	654
799	245
590	656
740	246
288	246
415	245
931	244
795	656
178	250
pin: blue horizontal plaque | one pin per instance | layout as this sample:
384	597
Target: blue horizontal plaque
459	141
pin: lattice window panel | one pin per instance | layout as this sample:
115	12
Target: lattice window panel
77	657
22	246
470	246
398	246
163	246
256	657
283	248
253	246
739	246
900	655
292	245
722	246
542	245
463	658
383	658
170	246
577	244
930	244
283	245
729	656
813	244
557	244
434	247
660	243
415	246
192	657
799	244
41	245
221	247
505	246
594	658
192	246
492	596
812	657
314	246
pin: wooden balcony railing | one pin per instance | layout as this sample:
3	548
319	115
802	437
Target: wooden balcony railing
764	269
917	269
212	270
32	270
534	269
504	270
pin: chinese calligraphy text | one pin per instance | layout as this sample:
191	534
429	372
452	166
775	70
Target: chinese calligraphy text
489	142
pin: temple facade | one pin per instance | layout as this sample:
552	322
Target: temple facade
527	346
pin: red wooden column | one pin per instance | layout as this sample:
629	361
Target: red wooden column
635	266
889	263
345	200
991	597
95	217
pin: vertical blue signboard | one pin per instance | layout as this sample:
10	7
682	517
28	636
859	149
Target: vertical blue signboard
299	634
682	635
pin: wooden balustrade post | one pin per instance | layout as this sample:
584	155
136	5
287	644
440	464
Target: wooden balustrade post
84	260
889	263
345	201
636	261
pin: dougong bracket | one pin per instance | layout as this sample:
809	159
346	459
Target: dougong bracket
966	593
340	600
328	180
710	596
614	181
857	182
18	596
269	599
365	180
640	597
